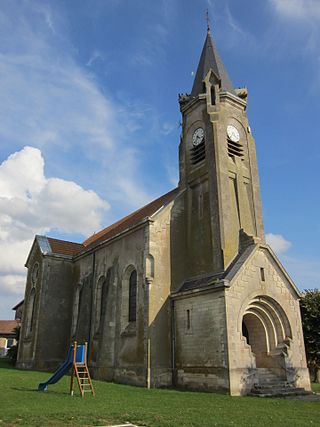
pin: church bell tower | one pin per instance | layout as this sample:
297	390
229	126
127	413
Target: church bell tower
219	209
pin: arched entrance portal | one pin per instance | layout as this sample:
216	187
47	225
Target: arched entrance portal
267	330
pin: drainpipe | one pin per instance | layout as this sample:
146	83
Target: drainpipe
173	343
92	302
148	282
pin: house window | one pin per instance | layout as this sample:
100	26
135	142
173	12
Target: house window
133	296
10	342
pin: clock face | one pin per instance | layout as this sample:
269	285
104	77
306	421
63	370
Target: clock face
233	133
197	137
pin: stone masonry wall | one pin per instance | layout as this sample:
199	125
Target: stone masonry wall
158	280
247	284
116	351
201	342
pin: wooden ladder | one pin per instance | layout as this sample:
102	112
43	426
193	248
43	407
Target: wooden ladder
81	371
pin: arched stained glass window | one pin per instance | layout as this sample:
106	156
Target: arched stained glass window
133	296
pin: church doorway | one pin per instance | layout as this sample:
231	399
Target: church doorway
254	331
267	331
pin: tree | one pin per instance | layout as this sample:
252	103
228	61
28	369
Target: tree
310	313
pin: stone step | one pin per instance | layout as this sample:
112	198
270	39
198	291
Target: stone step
267	374
279	392
277	384
272	381
264	377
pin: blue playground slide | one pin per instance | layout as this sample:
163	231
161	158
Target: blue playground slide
64	368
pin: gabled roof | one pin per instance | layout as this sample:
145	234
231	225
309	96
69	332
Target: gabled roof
245	257
7	327
18	305
210	59
64	247
131	220
49	245
233	270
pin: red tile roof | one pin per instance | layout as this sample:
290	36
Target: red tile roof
7	327
63	247
70	248
131	220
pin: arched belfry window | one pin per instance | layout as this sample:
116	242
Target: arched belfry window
133	296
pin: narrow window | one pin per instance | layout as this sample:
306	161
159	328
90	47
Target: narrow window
263	278
99	302
200	205
104	299
213	95
133	296
30	313
76	309
188	320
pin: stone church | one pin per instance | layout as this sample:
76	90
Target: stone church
185	291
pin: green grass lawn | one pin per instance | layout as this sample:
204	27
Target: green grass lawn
21	404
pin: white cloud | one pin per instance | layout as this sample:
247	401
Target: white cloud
29	198
53	102
297	9
32	204
278	243
296	32
13	285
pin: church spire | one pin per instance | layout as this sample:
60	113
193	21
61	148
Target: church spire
210	59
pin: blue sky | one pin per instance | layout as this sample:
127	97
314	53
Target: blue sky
90	119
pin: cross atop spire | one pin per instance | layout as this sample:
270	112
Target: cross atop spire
208	20
210	59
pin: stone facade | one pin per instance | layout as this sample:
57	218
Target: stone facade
184	291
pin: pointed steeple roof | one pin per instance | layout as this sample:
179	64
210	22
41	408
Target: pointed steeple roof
210	58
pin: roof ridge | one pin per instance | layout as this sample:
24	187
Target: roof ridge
65	241
126	220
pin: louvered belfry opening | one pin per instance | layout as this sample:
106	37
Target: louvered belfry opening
235	149
198	153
